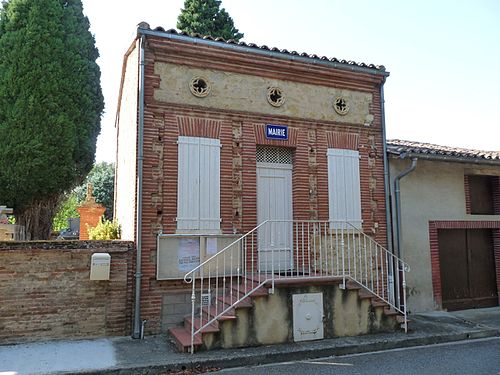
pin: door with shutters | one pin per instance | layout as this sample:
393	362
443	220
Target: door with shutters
274	203
467	266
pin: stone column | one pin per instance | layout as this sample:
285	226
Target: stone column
90	213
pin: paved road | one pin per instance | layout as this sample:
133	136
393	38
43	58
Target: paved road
471	357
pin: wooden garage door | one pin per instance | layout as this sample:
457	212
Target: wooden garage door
467	268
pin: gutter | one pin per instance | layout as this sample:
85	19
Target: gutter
258	51
397	202
138	327
387	186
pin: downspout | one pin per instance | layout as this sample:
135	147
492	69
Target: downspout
138	234
397	203
387	185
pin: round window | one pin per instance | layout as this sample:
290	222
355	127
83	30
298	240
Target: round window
199	87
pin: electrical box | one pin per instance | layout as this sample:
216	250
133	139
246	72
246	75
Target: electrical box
307	316
99	266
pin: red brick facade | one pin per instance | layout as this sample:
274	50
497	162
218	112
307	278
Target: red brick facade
434	226
240	132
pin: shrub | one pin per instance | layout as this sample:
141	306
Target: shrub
105	230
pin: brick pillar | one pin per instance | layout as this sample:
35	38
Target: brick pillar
90	213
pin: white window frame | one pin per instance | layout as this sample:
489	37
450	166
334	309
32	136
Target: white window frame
344	188
198	185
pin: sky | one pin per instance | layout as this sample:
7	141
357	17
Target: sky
443	56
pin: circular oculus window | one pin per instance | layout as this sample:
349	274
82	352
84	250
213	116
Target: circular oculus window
340	105
199	86
275	96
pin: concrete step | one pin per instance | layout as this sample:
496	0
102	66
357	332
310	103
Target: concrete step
182	339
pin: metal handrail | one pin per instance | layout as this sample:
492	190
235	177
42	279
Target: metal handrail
284	249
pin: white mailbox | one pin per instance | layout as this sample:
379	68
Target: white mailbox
99	266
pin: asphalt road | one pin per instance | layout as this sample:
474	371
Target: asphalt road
470	357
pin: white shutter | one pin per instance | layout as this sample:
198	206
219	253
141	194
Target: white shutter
344	190
198	186
188	182
209	183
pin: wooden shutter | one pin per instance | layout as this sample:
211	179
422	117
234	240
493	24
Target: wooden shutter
209	183
344	190
198	187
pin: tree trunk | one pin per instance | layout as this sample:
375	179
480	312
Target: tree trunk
37	218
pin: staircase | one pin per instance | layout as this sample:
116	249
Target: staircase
237	292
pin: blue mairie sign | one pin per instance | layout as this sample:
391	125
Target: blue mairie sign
276	131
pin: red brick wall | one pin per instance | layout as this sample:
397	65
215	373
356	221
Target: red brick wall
46	291
239	133
434	249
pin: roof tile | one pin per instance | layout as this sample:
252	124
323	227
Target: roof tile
381	68
398	147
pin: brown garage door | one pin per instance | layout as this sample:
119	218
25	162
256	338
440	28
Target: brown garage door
467	268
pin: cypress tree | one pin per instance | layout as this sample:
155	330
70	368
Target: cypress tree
205	17
50	106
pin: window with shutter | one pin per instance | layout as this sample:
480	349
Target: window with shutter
344	190
198	187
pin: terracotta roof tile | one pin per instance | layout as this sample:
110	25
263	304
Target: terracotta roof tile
398	147
381	68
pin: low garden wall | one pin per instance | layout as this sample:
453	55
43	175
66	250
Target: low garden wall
46	291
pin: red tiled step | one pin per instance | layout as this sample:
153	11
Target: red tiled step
378	302
389	312
213	327
182	338
365	294
212	312
352	285
244	289
229	300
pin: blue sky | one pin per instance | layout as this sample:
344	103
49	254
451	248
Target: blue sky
443	56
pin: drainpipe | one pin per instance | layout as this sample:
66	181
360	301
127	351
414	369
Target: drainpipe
397	203
387	185
138	325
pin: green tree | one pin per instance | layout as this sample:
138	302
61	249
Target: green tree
67	209
102	178
205	17
50	106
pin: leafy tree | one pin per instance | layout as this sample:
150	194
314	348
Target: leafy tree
205	17
66	210
50	106
102	178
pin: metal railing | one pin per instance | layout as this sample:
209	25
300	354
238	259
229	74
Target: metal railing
288	249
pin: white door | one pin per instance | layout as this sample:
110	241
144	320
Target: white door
274	202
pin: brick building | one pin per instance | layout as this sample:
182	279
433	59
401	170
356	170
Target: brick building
232	135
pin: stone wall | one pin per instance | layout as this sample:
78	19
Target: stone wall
46	291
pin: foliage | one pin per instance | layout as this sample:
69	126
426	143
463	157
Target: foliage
50	106
205	17
66	210
105	230
102	178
